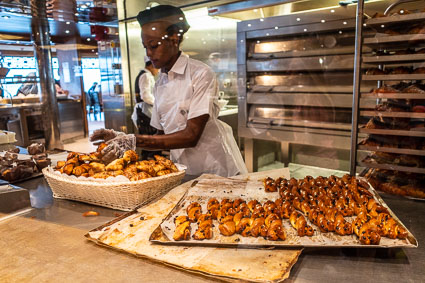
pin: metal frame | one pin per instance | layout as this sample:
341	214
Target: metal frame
398	40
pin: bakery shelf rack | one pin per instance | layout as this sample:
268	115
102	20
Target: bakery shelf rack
395	95
403	49
393	59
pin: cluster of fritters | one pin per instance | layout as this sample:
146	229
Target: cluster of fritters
90	165
233	216
12	168
324	202
327	201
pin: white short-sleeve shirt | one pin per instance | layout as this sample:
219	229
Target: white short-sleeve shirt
190	90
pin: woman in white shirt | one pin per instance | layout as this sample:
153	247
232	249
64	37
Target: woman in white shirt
186	101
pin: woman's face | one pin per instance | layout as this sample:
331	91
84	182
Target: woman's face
160	48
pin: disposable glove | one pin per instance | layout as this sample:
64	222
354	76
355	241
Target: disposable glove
117	146
104	134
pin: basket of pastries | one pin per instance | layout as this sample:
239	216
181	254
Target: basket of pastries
123	184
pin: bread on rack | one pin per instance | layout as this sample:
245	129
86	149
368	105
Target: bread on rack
401	70
375	71
385	89
420	70
418	29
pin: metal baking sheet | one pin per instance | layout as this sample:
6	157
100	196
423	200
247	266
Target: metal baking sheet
130	234
254	189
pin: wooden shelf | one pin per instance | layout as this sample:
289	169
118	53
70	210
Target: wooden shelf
395	95
394	58
392	114
404	133
396	19
393	167
400	77
392	150
404	38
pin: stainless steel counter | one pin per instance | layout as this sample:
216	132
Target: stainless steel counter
314	265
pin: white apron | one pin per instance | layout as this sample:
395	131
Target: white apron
216	151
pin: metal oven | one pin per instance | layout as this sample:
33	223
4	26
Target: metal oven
295	79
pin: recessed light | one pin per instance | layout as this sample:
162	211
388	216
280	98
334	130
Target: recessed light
68	23
88	39
67	31
323	21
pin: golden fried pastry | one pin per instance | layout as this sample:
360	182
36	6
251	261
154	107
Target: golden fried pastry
100	175
182	232
276	231
194	213
78	171
115	173
130	156
228	228
60	164
68	168
97	167
180	219
256	226
163	172
117	164
101	147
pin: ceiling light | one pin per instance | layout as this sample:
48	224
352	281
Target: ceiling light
88	39
67	31
68	23
332	11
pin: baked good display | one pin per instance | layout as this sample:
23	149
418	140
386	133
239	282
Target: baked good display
420	70
419	29
385	89
13	169
375	71
90	165
36	148
311	206
401	70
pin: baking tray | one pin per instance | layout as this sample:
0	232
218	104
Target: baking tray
220	263
255	190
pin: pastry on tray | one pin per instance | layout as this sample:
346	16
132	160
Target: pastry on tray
402	70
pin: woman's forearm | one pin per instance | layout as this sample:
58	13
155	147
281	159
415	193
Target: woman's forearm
186	138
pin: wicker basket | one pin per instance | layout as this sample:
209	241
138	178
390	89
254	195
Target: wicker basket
122	195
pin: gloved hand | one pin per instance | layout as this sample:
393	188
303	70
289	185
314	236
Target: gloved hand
117	143
117	146
104	134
